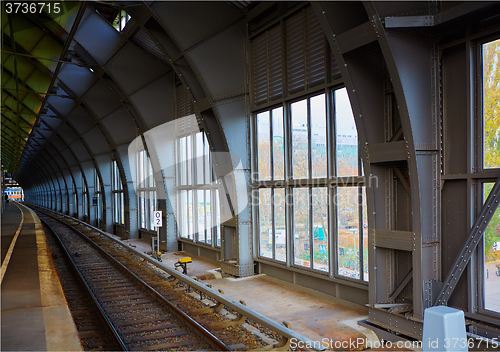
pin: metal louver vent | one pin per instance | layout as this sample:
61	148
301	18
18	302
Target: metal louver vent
306	51
185	108
142	40
307	57
267	68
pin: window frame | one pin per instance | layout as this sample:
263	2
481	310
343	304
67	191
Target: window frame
187	171
117	195
146	192
487	175
331	182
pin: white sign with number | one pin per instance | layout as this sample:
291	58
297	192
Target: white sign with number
158	220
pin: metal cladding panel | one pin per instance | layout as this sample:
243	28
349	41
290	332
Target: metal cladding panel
368	73
80	120
412	57
233	119
58	143
455	117
221	62
454	221
70	160
109	39
120	126
67	134
403	8
101	99
155	101
190	22
132	68
344	14
78	79
63	106
96	141
52	122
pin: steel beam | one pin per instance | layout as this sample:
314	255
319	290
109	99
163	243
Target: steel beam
474	238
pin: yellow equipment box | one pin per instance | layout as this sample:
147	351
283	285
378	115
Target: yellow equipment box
185	260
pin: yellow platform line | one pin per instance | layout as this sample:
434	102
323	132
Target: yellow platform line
5	263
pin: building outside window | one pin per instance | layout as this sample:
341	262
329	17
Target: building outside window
117	194
198	191
147	192
311	198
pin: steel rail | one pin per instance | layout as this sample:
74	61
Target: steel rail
212	339
74	267
228	302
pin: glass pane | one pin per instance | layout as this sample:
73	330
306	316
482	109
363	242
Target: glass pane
348	231
190	216
152	208
206	152
265	223
492	258
200	194
301	227
318	136
189	160
491	104
280	224
347	135
263	146
278	144
122	207
183	231
365	235
142	202
320	228
300	151
200	177
217	217
182	160
208	216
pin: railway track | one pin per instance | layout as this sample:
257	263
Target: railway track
137	315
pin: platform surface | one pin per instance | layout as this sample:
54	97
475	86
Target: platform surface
316	315
35	314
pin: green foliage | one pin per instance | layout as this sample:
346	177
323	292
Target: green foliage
491	93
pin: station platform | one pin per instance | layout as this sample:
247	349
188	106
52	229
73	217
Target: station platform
35	315
329	320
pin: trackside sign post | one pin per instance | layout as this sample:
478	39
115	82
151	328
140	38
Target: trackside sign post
158	222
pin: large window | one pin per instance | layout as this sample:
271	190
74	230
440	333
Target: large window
311	199
198	212
491	244
490	160
117	193
491	104
85	198
97	199
147	192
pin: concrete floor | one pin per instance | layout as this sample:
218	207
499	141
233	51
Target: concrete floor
323	318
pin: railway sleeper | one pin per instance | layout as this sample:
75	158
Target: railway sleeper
207	310
144	321
218	325
165	346
148	328
156	336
